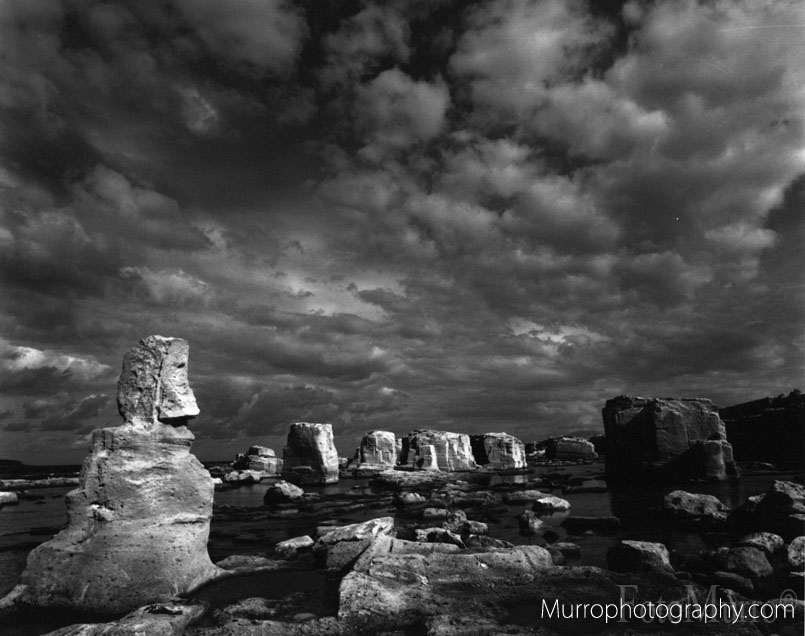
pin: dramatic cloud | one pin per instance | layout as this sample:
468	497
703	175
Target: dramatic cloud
476	216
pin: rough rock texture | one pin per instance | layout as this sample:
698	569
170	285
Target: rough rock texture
378	448
639	556
695	506
550	503
290	548
671	438
310	456
781	510
139	521
452	450
282	492
766	541
796	554
569	449
498	451
771	429
259	458
164	619
750	562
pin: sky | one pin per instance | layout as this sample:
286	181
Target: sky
471	216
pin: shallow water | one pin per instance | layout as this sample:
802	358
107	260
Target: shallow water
240	525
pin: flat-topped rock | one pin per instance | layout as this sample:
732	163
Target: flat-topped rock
665	438
139	521
310	456
498	451
450	451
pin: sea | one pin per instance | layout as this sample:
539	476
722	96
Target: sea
240	525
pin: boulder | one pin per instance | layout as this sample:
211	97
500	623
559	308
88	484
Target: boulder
766	541
771	429
695	506
796	554
550	504
524	496
439	535
310	456
665	439
498	451
378	448
159	619
749	562
358	531
639	556
781	510
8	499
139	521
530	524
282	492
567	548
451	451
290	548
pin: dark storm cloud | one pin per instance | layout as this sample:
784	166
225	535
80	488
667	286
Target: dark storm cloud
478	216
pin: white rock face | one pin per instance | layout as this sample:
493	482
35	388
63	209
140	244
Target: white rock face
378	448
140	518
498	451
310	456
453	450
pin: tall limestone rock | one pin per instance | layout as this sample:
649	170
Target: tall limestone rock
666	438
309	456
498	451
453	450
140	518
378	448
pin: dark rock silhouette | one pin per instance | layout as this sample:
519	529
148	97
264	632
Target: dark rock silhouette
668	438
771	429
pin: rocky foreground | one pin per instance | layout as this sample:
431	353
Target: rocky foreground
135	549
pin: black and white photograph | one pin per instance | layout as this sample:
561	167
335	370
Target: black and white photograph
402	317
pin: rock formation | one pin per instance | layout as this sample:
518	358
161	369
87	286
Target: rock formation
378	449
452	450
570	449
310	456
140	518
259	458
498	451
669	438
768	430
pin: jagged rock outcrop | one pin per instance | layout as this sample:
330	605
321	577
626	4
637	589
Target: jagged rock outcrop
378	449
450	452
498	451
771	429
259	458
781	510
140	518
669	438
310	456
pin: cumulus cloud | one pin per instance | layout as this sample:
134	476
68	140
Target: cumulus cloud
400	111
266	34
484	216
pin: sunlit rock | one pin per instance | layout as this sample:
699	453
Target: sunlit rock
140	518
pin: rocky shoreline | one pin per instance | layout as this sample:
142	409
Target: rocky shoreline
477	541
